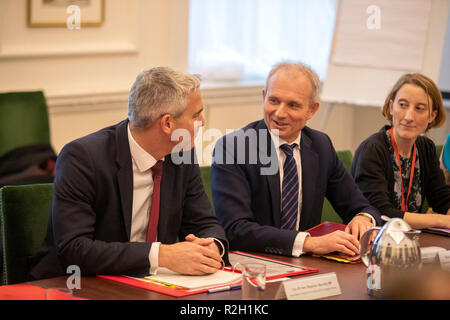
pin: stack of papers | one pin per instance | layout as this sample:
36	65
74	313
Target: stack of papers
171	279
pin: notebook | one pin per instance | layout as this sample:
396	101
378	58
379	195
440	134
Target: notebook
439	231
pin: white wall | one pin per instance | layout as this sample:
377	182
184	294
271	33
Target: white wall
86	74
444	77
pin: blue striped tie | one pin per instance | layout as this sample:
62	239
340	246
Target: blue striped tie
289	201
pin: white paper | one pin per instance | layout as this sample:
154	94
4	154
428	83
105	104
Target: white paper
220	277
395	42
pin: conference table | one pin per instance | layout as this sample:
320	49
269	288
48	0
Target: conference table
351	278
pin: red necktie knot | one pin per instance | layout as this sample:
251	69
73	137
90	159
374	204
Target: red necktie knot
157	169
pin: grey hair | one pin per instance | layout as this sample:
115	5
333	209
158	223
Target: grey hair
304	69
159	91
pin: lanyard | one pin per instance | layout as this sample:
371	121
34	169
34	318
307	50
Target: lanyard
394	144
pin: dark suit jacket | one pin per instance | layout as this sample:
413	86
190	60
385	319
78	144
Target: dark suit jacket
248	204
90	223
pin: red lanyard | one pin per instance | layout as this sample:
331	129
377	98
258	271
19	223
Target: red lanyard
400	168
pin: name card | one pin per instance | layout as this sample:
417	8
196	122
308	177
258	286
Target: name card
308	288
430	254
444	259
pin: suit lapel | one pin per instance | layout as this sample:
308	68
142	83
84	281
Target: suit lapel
273	180
309	159
275	197
125	174
165	201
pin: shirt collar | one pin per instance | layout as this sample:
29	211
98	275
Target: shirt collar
277	141
143	160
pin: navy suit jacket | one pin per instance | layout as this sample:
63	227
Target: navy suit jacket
91	216
248	203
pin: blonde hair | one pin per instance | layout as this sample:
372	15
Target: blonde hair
430	88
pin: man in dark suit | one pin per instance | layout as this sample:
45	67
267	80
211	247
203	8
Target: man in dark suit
105	216
269	179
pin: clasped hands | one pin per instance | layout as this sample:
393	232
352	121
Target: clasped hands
341	241
194	256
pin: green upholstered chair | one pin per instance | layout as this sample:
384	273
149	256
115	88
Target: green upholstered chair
205	172
23	121
346	157
328	213
439	150
24	213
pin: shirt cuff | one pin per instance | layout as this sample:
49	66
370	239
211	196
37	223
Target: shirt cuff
365	214
297	249
153	257
221	247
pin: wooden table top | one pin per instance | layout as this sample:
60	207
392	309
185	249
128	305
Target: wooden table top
351	278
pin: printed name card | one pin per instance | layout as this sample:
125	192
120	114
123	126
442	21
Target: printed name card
308	288
444	259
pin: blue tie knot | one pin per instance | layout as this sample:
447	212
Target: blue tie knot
288	149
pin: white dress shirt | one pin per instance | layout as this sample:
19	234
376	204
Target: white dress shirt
299	241
142	200
142	197
297	249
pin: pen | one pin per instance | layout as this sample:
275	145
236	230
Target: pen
226	288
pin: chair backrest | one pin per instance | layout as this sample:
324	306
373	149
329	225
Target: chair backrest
439	150
23	121
328	213
346	157
24	213
425	204
205	172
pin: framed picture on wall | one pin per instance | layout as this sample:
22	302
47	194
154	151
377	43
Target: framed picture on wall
59	13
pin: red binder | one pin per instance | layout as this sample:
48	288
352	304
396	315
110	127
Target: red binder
159	288
328	227
325	228
25	292
299	269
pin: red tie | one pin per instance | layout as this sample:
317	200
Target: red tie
154	211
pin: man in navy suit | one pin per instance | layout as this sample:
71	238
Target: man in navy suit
105	182
251	197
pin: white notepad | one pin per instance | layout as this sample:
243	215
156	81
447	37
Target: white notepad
195	282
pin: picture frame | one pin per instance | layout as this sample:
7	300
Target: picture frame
53	13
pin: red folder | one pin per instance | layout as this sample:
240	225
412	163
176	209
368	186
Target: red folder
174	292
325	228
301	269
24	292
158	288
328	227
